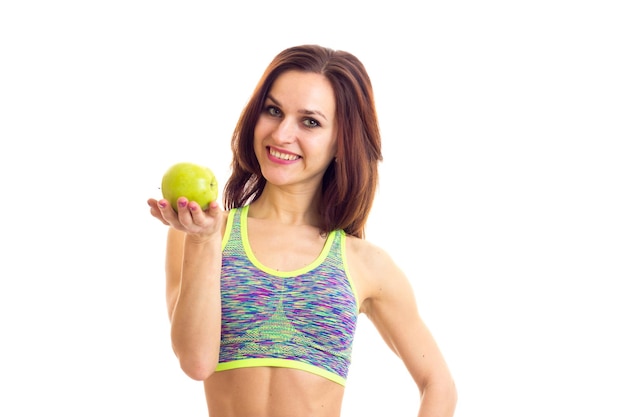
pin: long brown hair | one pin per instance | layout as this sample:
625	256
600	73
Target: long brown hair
350	183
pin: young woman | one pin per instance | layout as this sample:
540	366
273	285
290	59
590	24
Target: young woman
263	296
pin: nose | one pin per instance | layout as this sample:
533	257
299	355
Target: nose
285	131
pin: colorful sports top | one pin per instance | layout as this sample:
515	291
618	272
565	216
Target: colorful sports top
303	319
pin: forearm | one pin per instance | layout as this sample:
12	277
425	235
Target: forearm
196	318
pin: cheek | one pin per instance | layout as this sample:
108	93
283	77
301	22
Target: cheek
332	150
324	154
258	136
257	147
261	130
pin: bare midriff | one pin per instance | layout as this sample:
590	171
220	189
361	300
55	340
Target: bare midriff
272	392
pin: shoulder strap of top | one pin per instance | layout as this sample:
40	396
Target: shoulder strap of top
235	212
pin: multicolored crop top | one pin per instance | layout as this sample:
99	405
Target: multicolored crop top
303	319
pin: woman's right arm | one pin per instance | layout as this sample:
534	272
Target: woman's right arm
173	268
193	268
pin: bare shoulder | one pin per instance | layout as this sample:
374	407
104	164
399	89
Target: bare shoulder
365	256
373	270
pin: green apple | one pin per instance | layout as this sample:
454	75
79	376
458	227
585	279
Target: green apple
194	182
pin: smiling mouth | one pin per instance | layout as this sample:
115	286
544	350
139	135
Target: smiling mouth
283	156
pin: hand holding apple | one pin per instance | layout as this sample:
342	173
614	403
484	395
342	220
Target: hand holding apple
192	181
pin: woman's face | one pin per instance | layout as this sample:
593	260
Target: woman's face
295	137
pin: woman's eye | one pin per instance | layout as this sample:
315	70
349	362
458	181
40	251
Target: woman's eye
273	111
311	123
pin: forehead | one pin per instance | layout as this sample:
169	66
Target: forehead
304	91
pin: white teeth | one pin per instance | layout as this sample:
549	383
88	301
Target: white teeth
280	155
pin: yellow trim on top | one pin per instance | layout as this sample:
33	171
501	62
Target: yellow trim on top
344	259
229	228
243	220
280	363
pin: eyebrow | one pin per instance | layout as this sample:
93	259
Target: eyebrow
303	111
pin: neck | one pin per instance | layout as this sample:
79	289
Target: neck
286	207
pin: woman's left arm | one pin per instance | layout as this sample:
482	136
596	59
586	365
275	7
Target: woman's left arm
392	308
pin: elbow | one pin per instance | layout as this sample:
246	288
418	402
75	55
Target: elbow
196	370
448	395
453	395
441	394
197	366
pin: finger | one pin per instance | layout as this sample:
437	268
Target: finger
168	214
214	208
198	216
184	214
155	211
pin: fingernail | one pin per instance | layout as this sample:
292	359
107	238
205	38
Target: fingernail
162	204
182	204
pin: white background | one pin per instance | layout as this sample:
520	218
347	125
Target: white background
502	192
